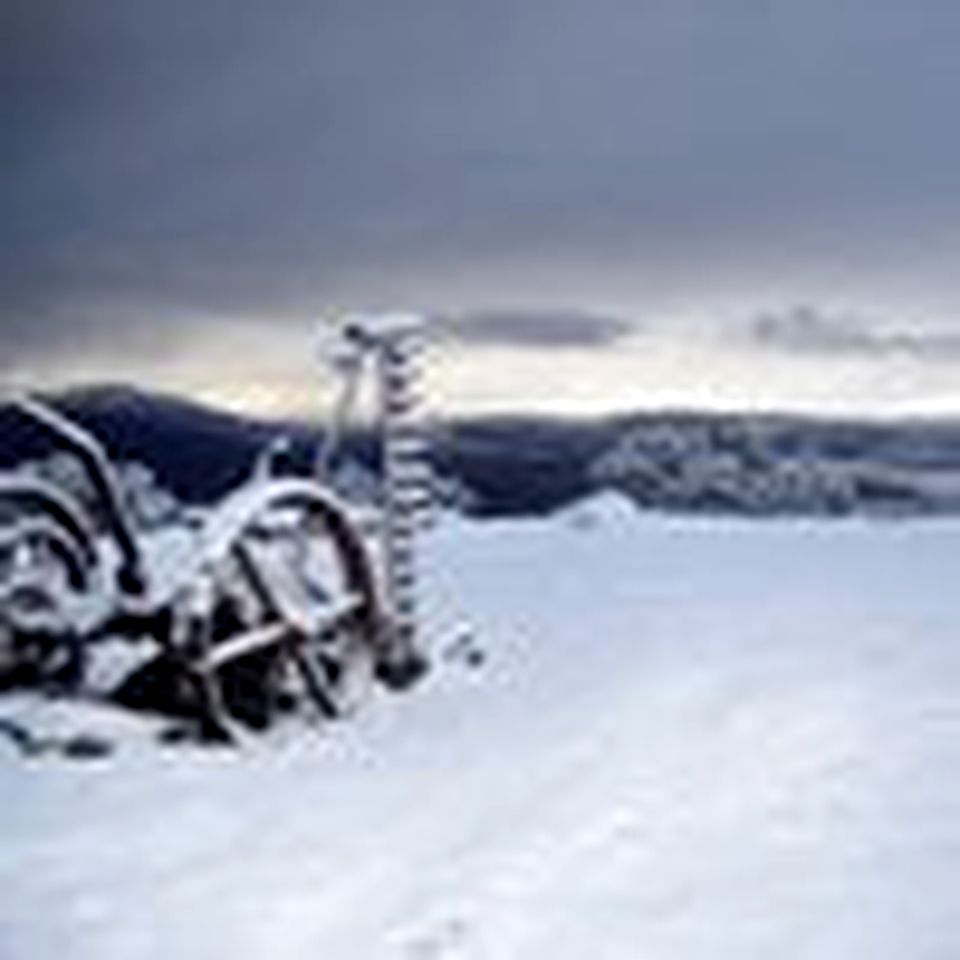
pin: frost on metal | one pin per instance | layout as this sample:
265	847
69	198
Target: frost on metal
276	600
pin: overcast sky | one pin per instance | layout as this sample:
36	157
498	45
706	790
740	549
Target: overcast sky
611	202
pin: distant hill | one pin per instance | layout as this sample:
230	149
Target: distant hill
198	452
712	463
784	465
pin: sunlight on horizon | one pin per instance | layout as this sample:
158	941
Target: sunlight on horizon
275	371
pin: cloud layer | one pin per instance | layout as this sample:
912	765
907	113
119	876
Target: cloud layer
525	167
536	329
807	330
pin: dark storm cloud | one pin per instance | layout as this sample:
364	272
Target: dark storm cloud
806	330
537	328
234	156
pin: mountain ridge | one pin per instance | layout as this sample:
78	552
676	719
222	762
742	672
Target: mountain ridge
522	464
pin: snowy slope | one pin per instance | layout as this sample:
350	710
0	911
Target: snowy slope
690	739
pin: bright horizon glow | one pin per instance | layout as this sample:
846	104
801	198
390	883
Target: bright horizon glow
272	370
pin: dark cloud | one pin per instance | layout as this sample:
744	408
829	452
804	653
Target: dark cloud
537	329
806	330
230	157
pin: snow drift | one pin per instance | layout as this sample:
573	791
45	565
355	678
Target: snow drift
683	739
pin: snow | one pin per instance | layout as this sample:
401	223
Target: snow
687	739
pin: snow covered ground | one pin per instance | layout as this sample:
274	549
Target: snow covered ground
688	739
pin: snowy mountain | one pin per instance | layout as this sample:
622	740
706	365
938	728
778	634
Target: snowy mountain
667	738
771	465
521	466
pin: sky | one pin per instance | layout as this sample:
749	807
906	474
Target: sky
600	204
